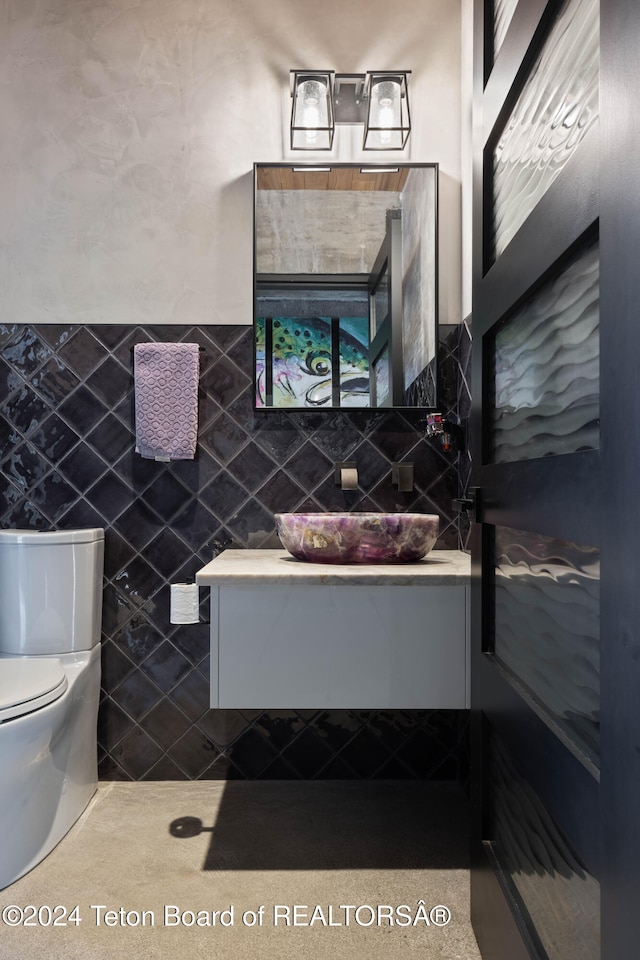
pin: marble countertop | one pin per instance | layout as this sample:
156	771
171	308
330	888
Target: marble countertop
263	567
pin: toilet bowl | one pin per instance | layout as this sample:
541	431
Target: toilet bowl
50	613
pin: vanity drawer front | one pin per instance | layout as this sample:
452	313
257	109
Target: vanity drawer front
339	647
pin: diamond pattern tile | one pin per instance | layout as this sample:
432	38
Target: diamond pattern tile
138	524
165	723
113	724
82	410
164	769
193	753
24	465
24	410
166	495
82	352
280	494
252	524
116	610
223	381
192	640
53	496
337	437
139	581
110	382
167	552
67	459
251	467
222	727
24	348
136	752
224	438
110	438
81	514
137	638
54	381
223	495
276	437
115	666
55	334
110	496
8	437
25	514
191	695
10	380
9	494
54	438
109	334
251	753
307	754
195	524
136	695
166	666
309	467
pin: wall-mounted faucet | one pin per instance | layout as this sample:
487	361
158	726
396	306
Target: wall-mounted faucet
402	476
346	475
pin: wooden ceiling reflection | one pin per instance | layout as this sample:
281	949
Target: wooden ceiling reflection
336	178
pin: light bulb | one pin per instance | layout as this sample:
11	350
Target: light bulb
312	96
387	94
385	119
385	116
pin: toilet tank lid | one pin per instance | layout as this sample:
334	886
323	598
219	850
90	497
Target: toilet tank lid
88	535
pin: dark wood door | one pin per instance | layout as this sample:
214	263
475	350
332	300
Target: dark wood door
538	699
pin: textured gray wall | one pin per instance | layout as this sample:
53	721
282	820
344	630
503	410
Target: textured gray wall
129	130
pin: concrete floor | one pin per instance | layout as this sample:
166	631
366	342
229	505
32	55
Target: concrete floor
151	865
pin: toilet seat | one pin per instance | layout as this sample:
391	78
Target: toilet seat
28	683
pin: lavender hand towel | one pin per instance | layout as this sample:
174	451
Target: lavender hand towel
166	397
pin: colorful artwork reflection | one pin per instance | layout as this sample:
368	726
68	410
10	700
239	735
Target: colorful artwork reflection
382	378
313	362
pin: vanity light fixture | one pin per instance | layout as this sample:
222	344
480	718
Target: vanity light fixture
378	99
388	123
312	121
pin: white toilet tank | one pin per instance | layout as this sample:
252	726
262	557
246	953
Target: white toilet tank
50	590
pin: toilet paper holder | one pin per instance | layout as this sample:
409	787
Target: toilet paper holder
185	602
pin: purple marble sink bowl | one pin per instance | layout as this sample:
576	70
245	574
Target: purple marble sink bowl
357	537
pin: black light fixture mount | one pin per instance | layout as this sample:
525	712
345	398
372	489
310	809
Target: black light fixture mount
378	99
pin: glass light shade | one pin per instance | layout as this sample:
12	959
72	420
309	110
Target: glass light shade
312	123
388	123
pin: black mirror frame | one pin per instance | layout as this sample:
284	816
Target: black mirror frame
427	380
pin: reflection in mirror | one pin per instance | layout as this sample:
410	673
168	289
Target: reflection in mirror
317	346
345	286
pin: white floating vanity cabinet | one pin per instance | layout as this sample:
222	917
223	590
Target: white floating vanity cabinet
287	634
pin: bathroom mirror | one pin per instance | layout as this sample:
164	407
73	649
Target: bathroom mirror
345	285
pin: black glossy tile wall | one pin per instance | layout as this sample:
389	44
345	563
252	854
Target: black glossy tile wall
67	459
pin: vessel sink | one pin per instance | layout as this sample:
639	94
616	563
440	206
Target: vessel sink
357	537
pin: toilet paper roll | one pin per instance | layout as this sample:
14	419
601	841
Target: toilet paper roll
185	603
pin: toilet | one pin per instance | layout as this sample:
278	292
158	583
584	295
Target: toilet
50	616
